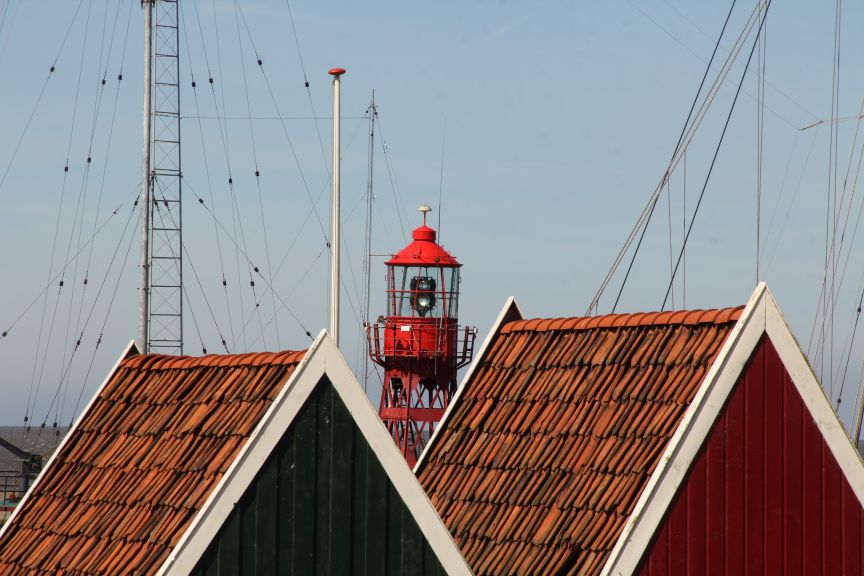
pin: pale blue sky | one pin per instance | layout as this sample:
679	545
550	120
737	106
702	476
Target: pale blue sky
559	116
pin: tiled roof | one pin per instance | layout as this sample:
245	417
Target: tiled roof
543	456
141	462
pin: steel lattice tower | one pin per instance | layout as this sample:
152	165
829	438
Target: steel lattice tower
165	314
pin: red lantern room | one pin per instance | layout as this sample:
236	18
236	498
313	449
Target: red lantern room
419	342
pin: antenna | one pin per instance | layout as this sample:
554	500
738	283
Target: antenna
440	180
160	306
367	267
334	242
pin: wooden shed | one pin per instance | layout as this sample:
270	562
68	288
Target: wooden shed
269	463
668	443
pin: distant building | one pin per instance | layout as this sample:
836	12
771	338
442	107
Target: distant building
243	464
668	443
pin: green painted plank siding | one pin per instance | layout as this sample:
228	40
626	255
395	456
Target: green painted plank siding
321	504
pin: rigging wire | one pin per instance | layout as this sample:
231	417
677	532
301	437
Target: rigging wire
40	96
236	220
10	27
666	176
760	130
780	196
831	208
441	177
249	261
223	133
207	170
773	86
56	277
717	149
64	378
257	183
843	233
683	234
308	90
669	219
678	152
789	212
313	202
36	384
110	306
101	82
386	148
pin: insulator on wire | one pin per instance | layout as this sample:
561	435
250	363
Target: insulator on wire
257	173
52	69
211	80
54	425
103	81
255	268
224	283
252	283
5	332
119	77
193	84
66	168
200	200
309	334
26	419
203	350
89	159
230	180
306	83
85	281
61	283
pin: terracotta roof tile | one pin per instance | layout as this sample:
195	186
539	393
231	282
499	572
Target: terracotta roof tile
141	462
551	443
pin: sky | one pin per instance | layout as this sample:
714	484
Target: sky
536	131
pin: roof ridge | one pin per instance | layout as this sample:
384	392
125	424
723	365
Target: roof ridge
667	318
169	362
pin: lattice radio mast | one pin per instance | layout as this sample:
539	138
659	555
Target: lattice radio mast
161	280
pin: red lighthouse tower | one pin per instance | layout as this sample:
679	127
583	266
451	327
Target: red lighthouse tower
419	342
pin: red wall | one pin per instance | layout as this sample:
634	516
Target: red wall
765	495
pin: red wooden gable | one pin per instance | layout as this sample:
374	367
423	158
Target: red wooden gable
765	495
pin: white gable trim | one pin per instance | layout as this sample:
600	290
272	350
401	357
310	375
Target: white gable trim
815	399
509	313
130	350
761	316
323	358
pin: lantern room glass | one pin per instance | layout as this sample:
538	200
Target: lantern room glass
423	291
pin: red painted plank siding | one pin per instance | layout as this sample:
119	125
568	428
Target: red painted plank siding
765	495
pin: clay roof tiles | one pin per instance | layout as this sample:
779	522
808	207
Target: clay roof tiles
548	447
141	463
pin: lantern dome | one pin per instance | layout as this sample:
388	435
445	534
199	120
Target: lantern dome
424	251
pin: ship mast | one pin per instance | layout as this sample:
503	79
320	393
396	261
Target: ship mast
367	264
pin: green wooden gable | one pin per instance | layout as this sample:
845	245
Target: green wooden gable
321	504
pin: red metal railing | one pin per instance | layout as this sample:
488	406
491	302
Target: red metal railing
422	338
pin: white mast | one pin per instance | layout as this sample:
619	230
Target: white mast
144	263
334	242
